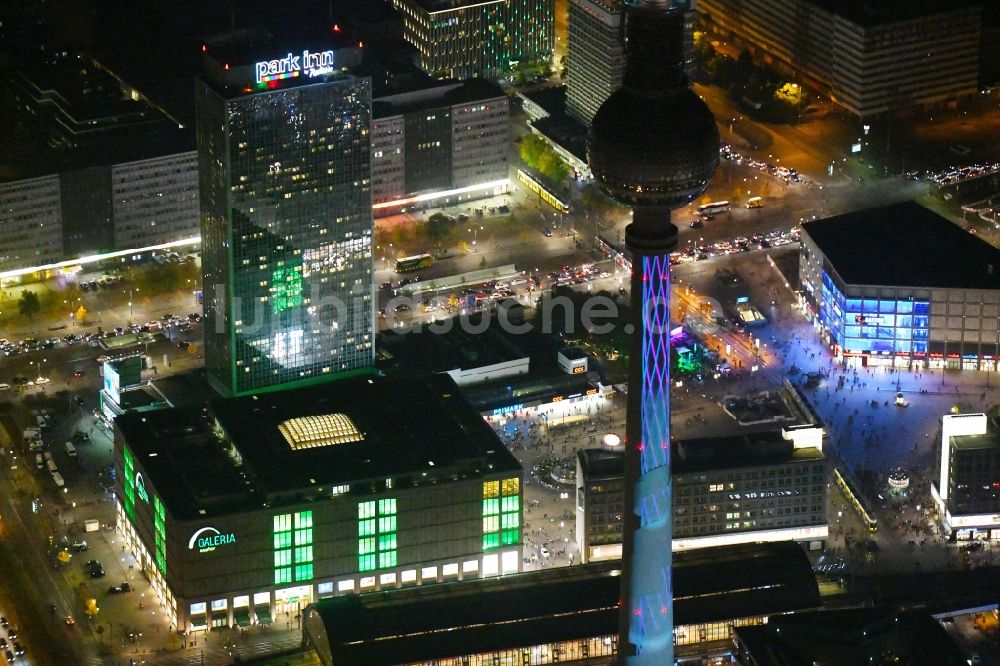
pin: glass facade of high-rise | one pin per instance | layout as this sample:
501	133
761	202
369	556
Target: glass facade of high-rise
472	38
285	185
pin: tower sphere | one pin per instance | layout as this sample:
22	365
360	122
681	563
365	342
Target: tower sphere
653	143
653	151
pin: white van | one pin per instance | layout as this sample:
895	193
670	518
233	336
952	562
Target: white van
39	463
51	464
4	387
70	450
57	478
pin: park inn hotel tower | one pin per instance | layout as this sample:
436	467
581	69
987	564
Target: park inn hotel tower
284	164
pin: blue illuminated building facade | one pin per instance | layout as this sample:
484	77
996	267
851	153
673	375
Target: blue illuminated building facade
901	286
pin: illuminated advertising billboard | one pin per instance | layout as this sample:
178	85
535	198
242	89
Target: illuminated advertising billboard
112	383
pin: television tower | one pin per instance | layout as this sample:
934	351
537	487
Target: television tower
653	145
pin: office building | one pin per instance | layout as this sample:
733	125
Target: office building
258	505
596	59
462	39
284	165
30	222
561	615
901	286
966	487
439	144
88	210
765	486
868	57
155	200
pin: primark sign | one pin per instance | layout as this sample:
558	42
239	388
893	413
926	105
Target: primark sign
291	66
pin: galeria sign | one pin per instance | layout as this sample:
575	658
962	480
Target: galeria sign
312	64
208	539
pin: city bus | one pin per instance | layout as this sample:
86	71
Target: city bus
534	183
713	208
406	264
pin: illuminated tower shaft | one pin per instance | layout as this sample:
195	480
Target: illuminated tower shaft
648	520
653	145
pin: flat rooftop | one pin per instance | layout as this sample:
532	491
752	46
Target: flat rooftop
746	450
853	636
874	12
427	349
434	94
235	454
568	603
705	454
905	245
432	6
601	464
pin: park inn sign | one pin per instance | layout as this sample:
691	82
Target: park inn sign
208	539
310	64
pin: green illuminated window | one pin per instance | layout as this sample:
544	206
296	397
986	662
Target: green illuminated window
292	548
303	519
501	511
286	288
159	526
377	541
128	468
366	509
366	563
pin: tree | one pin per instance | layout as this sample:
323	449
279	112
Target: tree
81	315
28	304
437	228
